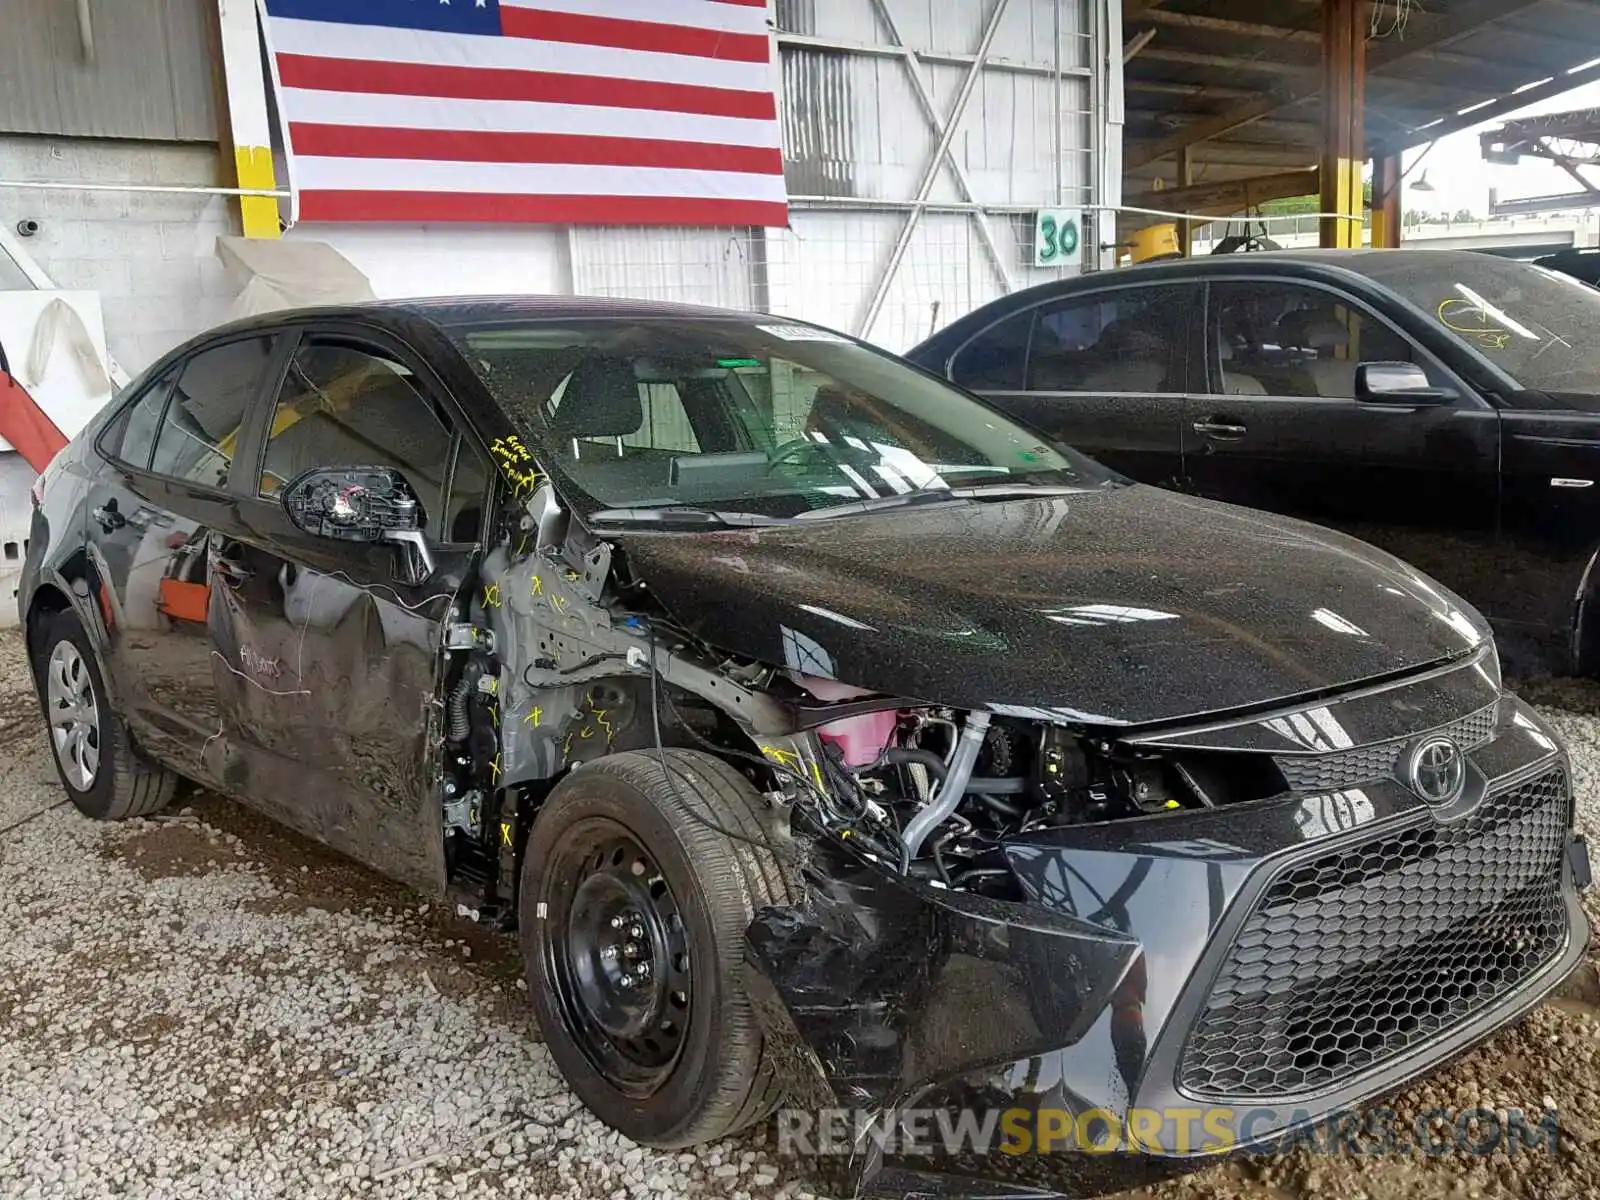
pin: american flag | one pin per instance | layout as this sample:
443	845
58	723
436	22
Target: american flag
628	112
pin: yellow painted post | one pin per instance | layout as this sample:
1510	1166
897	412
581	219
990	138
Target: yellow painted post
1344	67
247	116
1386	190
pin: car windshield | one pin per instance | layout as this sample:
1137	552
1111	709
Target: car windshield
772	419
1537	325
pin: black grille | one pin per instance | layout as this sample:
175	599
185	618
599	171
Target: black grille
1364	953
1342	769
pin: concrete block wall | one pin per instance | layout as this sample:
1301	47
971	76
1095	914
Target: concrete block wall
151	256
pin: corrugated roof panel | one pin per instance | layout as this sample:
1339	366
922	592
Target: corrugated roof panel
151	77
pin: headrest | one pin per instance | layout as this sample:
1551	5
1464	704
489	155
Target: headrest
1126	337
601	400
1309	329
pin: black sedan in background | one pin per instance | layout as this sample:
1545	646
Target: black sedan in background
1443	405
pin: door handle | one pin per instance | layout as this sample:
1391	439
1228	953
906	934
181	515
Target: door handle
107	516
1222	431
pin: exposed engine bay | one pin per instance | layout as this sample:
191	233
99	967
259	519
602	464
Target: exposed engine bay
561	658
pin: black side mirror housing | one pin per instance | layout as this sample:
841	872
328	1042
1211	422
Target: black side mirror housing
361	504
1399	383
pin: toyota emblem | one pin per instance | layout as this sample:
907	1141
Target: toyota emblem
1438	770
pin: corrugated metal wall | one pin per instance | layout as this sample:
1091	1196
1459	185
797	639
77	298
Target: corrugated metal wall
151	78
858	142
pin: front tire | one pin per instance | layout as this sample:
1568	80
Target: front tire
105	777
633	909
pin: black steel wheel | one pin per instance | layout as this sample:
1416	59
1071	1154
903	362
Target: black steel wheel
632	912
621	968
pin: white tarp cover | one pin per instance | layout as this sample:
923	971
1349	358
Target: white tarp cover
56	343
288	273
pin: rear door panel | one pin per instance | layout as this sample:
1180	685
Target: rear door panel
1104	372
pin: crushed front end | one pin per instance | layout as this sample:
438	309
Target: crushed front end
1199	937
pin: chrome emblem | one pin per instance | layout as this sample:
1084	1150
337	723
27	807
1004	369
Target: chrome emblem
1437	771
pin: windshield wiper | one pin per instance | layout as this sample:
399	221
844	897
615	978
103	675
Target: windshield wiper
987	491
1008	491
878	503
682	516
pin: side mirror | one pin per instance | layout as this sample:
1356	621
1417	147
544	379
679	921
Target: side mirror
1399	383
361	504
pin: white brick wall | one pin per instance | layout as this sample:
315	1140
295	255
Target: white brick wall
151	257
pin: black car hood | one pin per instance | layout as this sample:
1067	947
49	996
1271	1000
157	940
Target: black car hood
1127	605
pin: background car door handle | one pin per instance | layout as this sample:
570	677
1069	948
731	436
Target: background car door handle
1222	431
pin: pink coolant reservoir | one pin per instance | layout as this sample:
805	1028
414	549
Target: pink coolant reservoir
862	738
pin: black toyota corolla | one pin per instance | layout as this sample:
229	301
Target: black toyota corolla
830	739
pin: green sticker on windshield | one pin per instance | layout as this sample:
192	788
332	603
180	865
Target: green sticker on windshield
734	363
1028	456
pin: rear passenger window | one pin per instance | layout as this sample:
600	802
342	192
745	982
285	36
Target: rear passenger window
141	422
346	406
994	360
207	406
1132	340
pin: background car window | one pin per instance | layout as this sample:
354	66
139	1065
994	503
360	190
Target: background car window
1124	341
345	406
1276	338
994	360
136	439
208	405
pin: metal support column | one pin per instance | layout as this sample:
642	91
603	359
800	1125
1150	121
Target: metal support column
1386	188
1186	179
1344	71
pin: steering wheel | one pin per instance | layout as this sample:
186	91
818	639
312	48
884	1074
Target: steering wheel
795	448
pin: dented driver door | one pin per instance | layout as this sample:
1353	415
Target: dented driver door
335	652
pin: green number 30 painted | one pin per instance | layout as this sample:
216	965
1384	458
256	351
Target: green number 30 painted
1057	240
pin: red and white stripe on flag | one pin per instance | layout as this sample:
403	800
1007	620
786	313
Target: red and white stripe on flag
595	112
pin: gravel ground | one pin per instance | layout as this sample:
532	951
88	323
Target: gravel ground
205	1005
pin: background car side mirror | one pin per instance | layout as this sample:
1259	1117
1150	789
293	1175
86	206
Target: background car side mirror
362	504
1399	383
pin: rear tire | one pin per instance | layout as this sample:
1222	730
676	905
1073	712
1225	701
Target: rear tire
105	776
633	912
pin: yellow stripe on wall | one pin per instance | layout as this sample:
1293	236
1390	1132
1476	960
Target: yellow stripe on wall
259	213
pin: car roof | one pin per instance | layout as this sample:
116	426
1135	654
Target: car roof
448	312
1361	262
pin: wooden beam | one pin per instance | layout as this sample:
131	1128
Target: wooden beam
1265	64
1231	196
1193	91
1207	128
1247	29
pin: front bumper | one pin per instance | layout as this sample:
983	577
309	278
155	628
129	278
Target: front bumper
1184	986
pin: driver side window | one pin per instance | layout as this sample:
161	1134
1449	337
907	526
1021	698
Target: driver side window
1278	338
344	405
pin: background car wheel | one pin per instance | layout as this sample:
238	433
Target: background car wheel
104	775
632	916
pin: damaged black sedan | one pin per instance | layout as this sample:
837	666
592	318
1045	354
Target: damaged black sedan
831	740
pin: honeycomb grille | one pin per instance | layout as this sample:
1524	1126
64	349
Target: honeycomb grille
1349	768
1367	952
